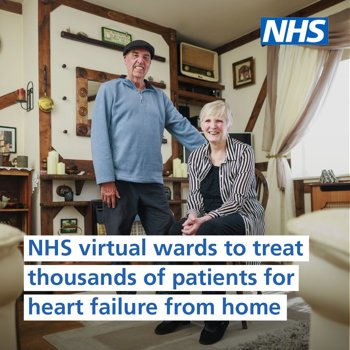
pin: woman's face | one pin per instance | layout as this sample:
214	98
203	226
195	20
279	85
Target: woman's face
215	129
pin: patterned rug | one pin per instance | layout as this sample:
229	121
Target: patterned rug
290	335
139	335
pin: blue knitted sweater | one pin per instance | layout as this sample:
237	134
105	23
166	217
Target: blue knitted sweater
127	131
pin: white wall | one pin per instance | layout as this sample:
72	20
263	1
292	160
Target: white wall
30	131
242	100
11	72
18	66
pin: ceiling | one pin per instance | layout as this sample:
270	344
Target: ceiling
206	23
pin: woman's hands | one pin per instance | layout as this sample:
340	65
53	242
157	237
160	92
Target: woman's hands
192	224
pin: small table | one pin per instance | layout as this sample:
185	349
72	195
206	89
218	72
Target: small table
330	195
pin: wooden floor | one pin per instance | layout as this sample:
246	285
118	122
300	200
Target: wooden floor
31	332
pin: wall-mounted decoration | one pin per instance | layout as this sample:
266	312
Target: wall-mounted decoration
8	140
26	97
46	103
116	37
69	226
66	192
243	73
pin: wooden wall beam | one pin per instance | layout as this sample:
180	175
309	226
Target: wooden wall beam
44	10
257	107
305	12
8	99
11	6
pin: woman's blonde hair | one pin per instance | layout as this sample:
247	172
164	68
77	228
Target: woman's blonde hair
218	108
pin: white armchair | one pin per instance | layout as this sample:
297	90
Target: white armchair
11	282
324	280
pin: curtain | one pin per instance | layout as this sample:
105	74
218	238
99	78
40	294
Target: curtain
297	81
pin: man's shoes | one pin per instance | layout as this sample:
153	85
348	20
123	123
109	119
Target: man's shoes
166	327
212	332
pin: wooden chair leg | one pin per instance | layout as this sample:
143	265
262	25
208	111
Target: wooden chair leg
244	325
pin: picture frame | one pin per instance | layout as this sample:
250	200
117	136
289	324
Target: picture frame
8	140
69	226
243	73
115	36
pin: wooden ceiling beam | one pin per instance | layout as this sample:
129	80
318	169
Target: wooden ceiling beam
114	15
305	12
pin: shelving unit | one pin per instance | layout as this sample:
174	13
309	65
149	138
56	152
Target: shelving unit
78	179
196	91
49	208
16	184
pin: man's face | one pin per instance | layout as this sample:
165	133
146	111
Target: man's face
137	62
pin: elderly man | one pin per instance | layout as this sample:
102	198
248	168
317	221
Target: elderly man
128	122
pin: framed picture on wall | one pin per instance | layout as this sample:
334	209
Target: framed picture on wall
69	226
243	73
115	37
8	140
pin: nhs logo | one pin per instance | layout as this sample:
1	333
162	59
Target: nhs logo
294	31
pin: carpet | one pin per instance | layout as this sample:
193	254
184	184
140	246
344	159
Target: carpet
139	335
294	337
289	335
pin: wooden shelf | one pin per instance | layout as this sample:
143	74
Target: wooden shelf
177	201
67	177
50	208
12	171
195	98
335	186
65	204
196	91
175	179
78	179
16	183
100	43
13	210
198	82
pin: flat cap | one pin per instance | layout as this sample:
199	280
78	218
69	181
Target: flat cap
139	44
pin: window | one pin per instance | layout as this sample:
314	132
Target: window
326	145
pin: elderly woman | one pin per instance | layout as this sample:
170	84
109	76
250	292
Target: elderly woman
222	196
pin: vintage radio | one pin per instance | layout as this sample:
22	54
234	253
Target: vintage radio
199	63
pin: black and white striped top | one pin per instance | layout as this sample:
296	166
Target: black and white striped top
237	185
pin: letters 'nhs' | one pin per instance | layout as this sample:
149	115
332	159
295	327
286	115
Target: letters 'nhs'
294	31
